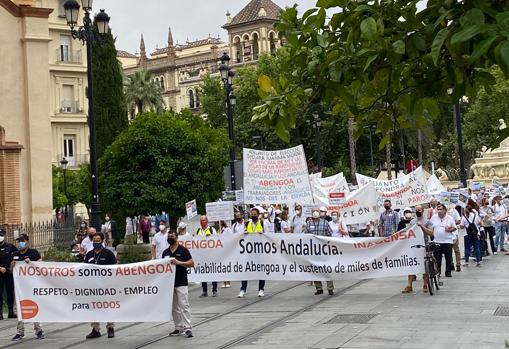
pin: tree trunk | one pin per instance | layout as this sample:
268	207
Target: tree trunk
351	142
140	107
388	157
419	147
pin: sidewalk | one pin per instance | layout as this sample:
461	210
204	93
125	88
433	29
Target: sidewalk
366	314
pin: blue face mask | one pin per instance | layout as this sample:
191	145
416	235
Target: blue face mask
22	245
98	245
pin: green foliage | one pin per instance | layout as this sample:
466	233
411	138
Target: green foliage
59	255
109	103
143	93
384	63
212	98
131	253
162	161
78	182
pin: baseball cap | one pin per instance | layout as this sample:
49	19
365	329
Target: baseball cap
407	209
23	237
323	209
182	225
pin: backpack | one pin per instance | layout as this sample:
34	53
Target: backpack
471	228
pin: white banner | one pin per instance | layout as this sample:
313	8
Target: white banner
276	177
434	186
304	257
407	190
79	292
219	211
361	206
322	187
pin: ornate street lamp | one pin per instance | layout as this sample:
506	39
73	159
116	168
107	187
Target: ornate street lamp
227	76
88	36
64	164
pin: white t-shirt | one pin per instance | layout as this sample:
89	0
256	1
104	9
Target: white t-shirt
335	229
268	226
285	227
298	223
160	241
227	231
457	218
87	245
500	211
238	228
473	217
439	225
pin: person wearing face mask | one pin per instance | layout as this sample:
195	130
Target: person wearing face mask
297	223
182	229
453	212
159	241
181	311
206	231
487	213
27	255
501	217
109	229
285	226
444	233
338	227
389	220
323	214
269	220
254	226
238	227
87	244
101	256
6	280
320	227
432	210
406	219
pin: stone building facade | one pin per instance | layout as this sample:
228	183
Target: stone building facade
179	69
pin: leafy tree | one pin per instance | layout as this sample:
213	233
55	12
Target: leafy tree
162	161
212	97
384	63
142	93
109	103
79	184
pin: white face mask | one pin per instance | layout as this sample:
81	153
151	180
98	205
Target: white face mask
334	218
316	214
408	215
107	218
2	238
162	227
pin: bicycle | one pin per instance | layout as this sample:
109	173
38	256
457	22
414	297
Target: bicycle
431	272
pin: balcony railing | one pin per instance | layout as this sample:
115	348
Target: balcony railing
73	161
69	107
68	56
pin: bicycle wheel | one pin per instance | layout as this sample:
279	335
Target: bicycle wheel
430	272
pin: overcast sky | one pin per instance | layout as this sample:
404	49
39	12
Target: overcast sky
189	19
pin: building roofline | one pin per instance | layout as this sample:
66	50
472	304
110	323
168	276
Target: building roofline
25	11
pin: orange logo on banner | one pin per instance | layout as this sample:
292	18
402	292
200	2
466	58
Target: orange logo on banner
29	309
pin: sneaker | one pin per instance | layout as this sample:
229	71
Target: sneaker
39	334
261	293
12	316
331	292
242	294
465	265
111	332
214	293
228	286
495	253
189	334
224	286
175	333
204	294
18	337
448	275
318	292
503	250
93	334
478	264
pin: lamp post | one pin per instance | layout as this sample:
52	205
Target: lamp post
64	164
318	155
227	76
459	134
87	35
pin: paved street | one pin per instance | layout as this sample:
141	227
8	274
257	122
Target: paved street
460	316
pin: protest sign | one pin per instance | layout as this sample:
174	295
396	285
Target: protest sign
219	211
434	186
407	190
239	197
445	198
323	186
454	198
361	206
276	177
79	292
336	199
191	209
304	257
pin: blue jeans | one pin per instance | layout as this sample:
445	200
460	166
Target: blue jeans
500	231
261	285
469	242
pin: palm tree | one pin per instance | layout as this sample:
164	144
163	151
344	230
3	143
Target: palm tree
142	92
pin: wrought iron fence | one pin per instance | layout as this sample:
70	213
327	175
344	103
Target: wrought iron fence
44	235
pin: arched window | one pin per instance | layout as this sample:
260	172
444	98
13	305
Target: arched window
256	47
162	83
192	104
272	43
238	49
247	49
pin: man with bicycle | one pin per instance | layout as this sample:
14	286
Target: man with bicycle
444	228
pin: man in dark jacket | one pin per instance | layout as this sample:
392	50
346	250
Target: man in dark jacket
6	280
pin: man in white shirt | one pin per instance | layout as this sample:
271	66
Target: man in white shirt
86	244
160	241
337	225
297	222
456	246
444	228
500	222
238	227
